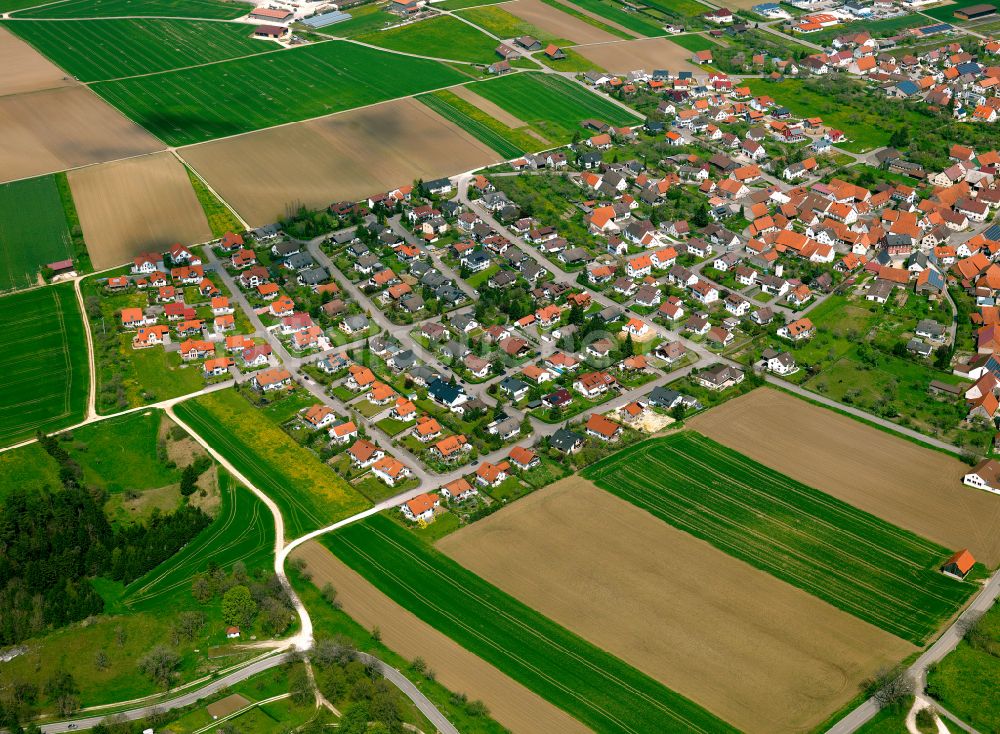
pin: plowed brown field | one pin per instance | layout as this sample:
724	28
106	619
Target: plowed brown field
643	53
341	157
509	702
56	129
754	650
557	23
26	70
915	488
136	205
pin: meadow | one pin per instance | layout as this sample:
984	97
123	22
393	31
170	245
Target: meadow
442	37
308	493
695	42
194	105
242	532
33	231
598	689
210	9
503	24
476	122
857	562
92	50
221	218
566	104
44	362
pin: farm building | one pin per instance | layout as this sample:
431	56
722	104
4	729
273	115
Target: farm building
270	32
985	475
272	15
959	565
975	12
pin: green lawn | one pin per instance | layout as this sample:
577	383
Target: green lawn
44	363
243	531
598	689
92	50
503	24
967	680
552	105
614	12
865	128
29	467
308	493
442	37
857	562
477	123
33	231
193	105
212	9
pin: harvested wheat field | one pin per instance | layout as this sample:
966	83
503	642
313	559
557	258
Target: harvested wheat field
509	702
557	23
340	157
56	129
751	649
26	70
643	53
136	205
915	488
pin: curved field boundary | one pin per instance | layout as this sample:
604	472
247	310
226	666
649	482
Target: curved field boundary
242	532
477	129
44	362
309	494
857	562
587	682
207	9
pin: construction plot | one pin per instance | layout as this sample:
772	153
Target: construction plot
136	205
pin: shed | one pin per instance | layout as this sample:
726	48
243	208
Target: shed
959	565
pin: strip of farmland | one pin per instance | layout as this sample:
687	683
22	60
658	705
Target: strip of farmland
307	491
592	685
212	9
92	50
44	362
494	134
552	105
207	102
855	561
33	231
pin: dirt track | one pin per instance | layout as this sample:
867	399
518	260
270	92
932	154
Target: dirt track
556	23
754	650
341	157
916	488
136	205
643	53
26	70
56	129
509	702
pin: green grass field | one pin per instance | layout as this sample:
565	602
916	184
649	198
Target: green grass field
193	105
695	42
552	105
243	531
947	12
221	218
308	493
678	8
442	37
855	561
595	687
28	467
612	11
92	50
459	4
44	362
33	231
211	9
104	450
477	123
